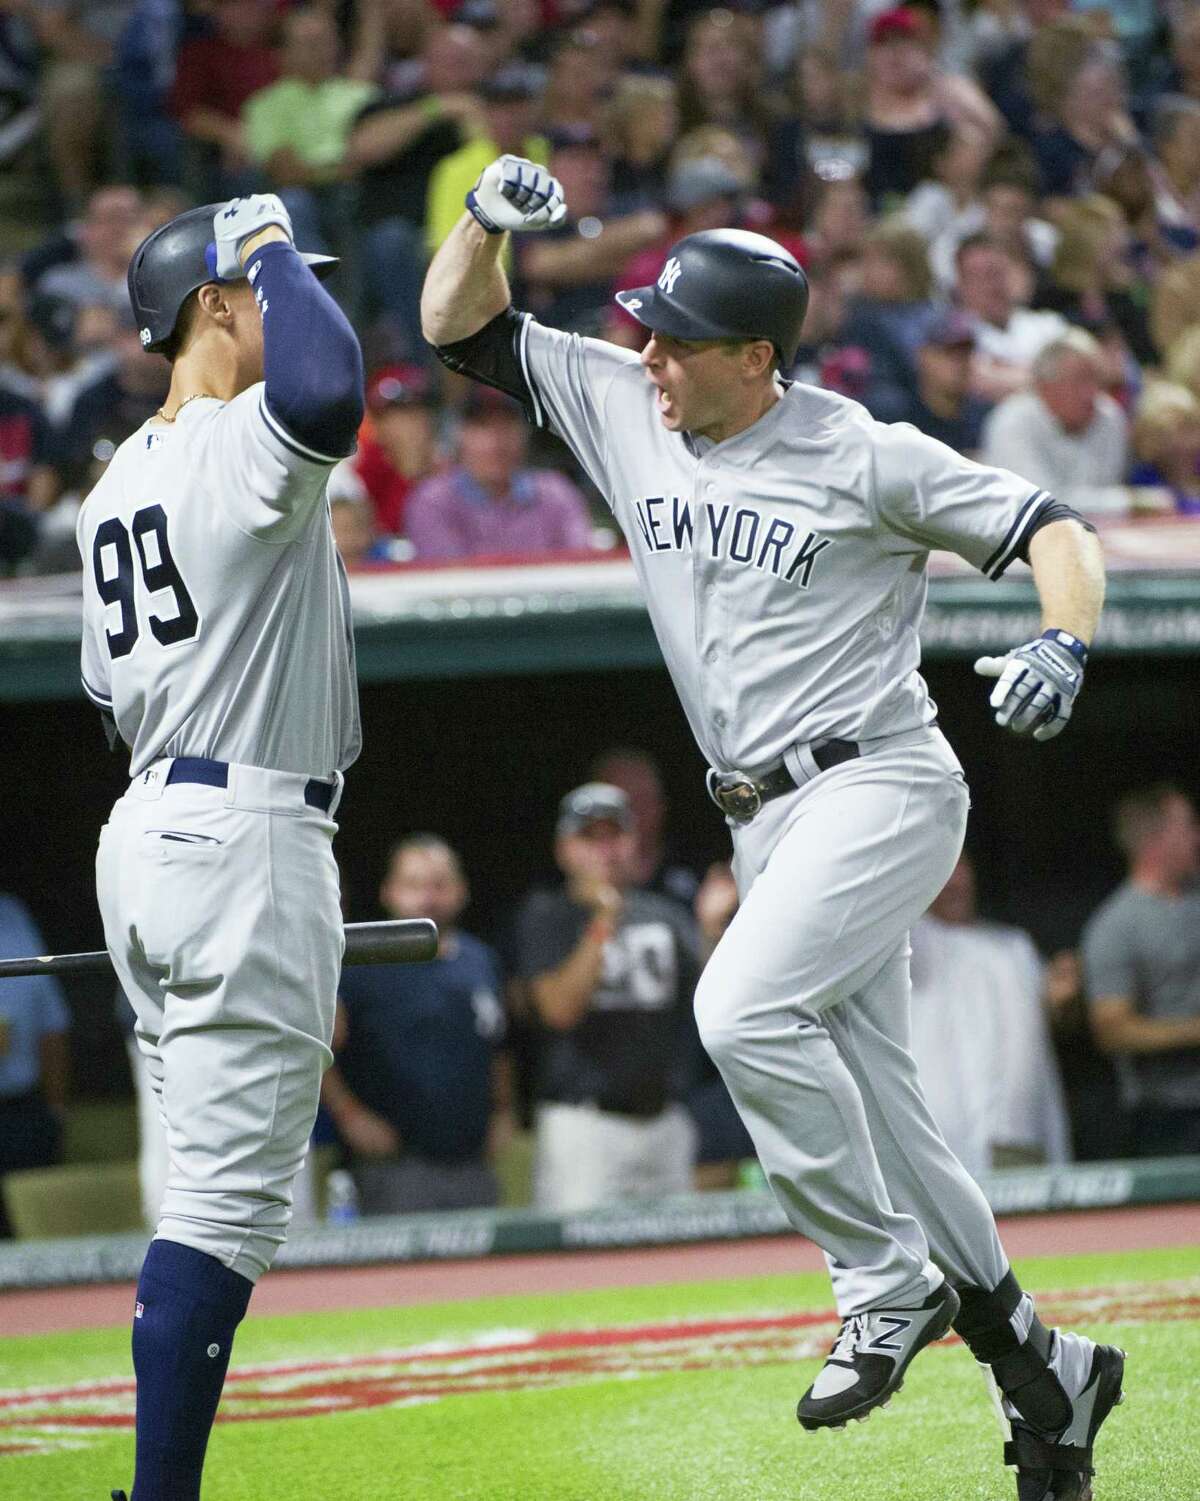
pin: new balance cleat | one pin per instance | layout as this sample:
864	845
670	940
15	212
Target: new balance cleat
1058	1467
869	1358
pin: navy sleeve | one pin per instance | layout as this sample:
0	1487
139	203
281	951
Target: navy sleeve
1049	510
312	363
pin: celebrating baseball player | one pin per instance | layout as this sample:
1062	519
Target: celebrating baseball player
781	536
217	644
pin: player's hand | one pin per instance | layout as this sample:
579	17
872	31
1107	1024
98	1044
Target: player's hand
514	193
368	1134
716	901
1038	685
235	222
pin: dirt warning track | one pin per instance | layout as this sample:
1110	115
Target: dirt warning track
53	1310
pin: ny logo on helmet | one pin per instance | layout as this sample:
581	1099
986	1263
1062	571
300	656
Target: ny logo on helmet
670	275
145	336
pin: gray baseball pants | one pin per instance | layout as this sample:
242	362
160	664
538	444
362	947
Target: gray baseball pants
804	1007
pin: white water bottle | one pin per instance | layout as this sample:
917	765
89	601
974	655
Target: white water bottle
341	1198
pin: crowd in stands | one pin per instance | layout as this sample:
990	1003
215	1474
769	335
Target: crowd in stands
997	203
574	1023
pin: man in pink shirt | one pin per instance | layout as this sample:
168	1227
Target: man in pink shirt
489	504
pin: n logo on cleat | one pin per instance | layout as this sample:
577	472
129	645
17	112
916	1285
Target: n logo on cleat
894	1326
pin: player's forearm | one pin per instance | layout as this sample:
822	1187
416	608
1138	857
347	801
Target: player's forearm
562	996
337	1096
465	286
1068	569
1129	1033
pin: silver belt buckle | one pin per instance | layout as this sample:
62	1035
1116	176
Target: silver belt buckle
736	794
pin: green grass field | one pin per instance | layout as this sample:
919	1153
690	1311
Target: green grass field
545	1399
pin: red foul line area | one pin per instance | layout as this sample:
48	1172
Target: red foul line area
43	1420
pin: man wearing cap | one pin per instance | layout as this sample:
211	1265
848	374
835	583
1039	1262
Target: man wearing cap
400	449
609	971
490	504
942	404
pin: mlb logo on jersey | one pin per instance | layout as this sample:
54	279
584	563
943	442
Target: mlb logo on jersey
669	275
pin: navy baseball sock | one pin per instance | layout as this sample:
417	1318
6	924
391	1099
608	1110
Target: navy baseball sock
188	1306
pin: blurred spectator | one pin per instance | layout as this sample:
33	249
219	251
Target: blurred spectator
354	532
79	42
16	360
915	114
489	504
721	80
114	405
20	115
297	129
33	1056
1141	954
941	402
71	351
1099	1127
1184	77
635	773
892	315
980	1035
611	970
1089	112
510	118
27	481
1175	169
419	1090
641	126
702	193
994	287
104	241
566	273
217	72
580	78
398	139
395	144
1174	300
149	143
1166	442
1092	277
840	217
400	449
1004	210
1065	435
1004	54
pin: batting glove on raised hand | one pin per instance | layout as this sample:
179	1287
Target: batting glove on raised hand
234	223
1038	683
514	193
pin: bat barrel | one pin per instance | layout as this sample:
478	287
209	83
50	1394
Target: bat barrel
411	940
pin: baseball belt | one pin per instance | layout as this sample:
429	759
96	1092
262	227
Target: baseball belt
742	797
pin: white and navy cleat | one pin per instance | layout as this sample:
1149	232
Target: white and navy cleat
873	1350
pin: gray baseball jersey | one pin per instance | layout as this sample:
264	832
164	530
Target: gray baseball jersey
216	613
783	568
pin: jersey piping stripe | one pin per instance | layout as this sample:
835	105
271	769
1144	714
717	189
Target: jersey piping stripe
97	698
539	414
295	444
1007	550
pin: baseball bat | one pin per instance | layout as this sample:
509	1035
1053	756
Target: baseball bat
411	941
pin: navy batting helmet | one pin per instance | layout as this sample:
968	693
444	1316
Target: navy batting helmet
171	263
723	284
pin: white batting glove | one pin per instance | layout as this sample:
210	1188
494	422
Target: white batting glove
237	220
514	193
1038	685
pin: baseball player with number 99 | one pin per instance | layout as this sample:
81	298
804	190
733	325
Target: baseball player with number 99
780	536
217	644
